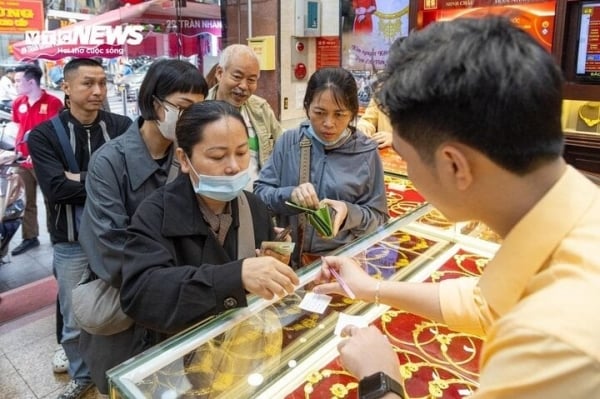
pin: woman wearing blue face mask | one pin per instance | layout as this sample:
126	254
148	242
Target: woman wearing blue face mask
190	251
345	169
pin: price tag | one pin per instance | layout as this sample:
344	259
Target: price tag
316	303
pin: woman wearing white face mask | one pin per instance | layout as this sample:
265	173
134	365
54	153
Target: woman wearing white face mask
190	250
121	174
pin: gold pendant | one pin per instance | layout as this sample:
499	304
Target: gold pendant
593	114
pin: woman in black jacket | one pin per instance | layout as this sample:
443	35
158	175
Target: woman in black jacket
190	250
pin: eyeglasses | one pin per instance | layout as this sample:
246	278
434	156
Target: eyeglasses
177	107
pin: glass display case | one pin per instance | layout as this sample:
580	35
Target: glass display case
274	349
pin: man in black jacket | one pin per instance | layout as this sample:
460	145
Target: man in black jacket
87	127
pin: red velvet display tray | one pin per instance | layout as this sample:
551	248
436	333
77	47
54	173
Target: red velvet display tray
435	361
401	195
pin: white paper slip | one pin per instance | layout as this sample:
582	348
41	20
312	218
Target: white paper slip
316	303
346	319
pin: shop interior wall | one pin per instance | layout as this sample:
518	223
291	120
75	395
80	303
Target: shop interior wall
292	90
265	14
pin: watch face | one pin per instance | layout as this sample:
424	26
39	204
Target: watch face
377	385
371	386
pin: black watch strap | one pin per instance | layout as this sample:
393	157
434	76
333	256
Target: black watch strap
377	385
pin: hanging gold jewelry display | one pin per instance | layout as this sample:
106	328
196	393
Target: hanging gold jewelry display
390	25
589	113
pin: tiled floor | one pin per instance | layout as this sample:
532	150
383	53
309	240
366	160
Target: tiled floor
26	349
27	344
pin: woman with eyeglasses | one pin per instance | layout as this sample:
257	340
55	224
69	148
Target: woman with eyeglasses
345	169
121	174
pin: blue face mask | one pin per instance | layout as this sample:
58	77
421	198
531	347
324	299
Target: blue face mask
343	136
220	188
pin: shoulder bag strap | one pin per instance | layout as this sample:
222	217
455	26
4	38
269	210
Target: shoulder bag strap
61	133
305	144
246	244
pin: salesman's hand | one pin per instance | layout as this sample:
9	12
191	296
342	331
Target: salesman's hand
267	277
353	274
367	351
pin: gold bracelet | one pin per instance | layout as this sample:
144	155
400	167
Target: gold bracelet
377	287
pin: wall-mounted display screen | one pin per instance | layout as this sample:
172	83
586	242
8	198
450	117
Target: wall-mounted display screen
533	16
588	47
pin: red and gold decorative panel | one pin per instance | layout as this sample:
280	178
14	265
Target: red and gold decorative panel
435	362
402	198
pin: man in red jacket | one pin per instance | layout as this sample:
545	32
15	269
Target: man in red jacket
32	107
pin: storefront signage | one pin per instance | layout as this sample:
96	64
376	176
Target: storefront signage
445	4
533	16
191	26
20	16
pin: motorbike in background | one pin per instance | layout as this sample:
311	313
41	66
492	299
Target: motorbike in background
12	200
5	111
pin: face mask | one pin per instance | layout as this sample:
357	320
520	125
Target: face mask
328	144
167	127
220	188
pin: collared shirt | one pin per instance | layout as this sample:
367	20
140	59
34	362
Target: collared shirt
535	302
29	116
219	224
253	146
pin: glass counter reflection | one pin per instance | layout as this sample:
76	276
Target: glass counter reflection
275	349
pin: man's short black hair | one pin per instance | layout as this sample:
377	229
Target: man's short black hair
31	71
76	63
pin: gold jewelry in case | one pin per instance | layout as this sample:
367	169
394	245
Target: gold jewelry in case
590	113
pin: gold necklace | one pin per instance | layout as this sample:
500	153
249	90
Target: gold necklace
592	117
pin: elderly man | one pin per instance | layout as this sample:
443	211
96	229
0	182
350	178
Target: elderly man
237	74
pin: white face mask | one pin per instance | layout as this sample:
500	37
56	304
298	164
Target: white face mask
167	126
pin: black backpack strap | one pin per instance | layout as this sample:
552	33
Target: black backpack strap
61	133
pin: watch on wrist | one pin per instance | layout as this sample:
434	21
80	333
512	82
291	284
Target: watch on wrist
377	385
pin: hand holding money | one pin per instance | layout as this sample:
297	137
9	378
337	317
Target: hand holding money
280	250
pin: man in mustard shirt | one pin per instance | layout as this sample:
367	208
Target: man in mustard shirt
375	124
476	110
